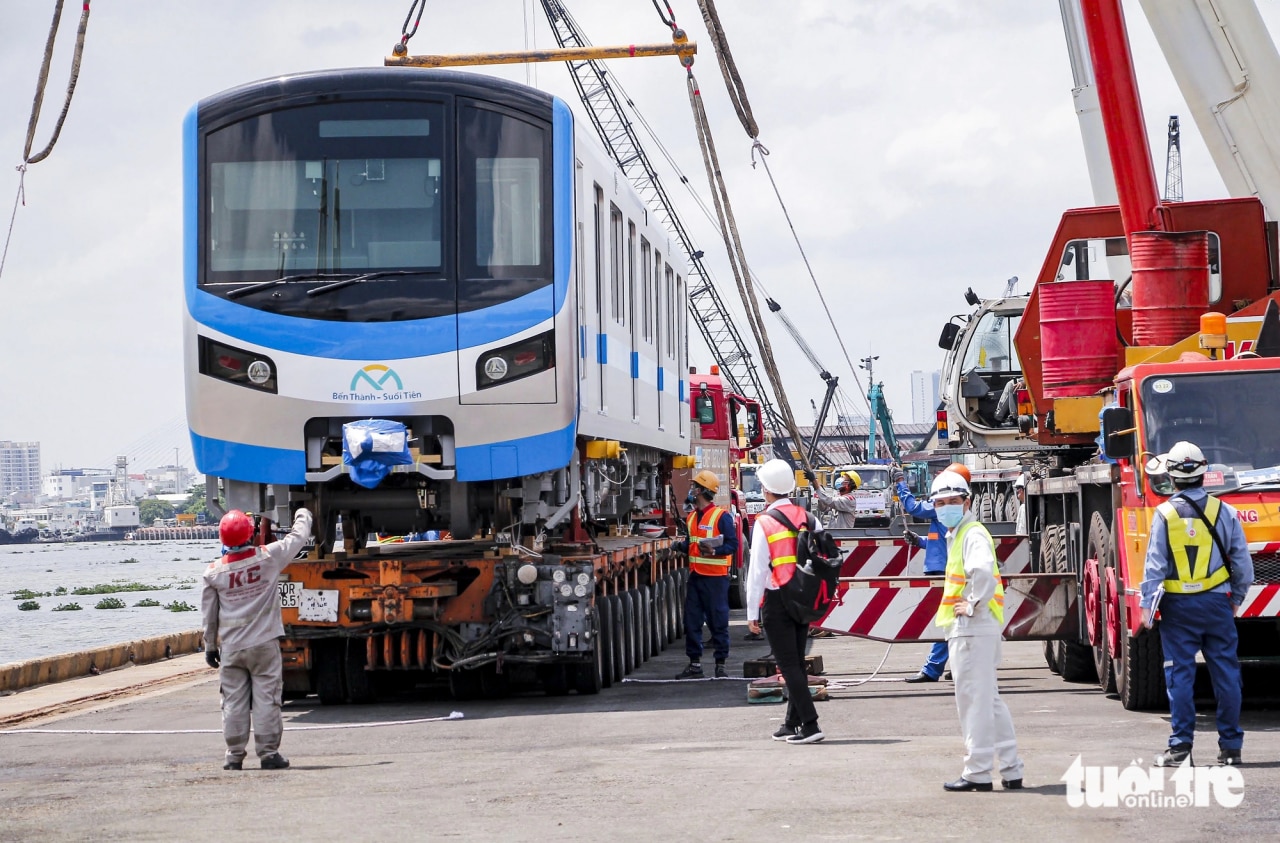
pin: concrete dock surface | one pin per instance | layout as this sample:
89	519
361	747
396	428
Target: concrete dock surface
640	761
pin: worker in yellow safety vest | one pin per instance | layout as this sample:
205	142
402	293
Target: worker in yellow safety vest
972	615
711	546
1198	571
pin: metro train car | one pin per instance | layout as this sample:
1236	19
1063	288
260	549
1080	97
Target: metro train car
442	249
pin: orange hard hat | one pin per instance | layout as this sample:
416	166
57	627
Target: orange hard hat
707	480
961	469
235	529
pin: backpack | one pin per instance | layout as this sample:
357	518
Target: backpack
812	587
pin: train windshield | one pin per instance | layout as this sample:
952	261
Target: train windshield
1229	415
363	211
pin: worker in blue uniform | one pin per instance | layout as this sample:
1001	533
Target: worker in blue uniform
1198	572
935	561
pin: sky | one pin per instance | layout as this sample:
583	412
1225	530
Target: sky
921	147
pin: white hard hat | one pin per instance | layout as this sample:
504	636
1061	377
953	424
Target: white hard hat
1184	461
949	484
777	477
1020	483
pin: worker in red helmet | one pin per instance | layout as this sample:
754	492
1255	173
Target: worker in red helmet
242	628
711	546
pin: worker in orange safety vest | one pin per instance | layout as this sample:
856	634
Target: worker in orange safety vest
711	546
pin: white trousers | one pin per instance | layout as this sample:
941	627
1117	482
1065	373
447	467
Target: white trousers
984	718
252	680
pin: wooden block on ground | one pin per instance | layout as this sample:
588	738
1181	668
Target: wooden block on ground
759	668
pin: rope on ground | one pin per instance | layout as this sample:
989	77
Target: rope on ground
738	261
453	715
835	686
687	681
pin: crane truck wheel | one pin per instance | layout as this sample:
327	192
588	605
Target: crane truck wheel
631	649
736	590
1140	670
1075	660
1048	559
1103	552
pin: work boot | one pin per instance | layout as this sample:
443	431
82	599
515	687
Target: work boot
274	761
693	671
721	673
1229	758
1174	755
233	765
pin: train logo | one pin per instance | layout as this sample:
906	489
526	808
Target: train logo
375	375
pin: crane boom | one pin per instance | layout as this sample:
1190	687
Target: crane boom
599	95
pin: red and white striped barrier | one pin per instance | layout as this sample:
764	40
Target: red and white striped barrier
1036	606
1262	601
892	558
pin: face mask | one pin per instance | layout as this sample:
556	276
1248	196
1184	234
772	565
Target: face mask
691	499
950	515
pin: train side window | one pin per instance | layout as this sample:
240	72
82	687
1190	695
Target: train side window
616	268
646	286
678	334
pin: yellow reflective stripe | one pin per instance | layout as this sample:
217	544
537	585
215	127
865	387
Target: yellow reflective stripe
712	560
783	560
777	537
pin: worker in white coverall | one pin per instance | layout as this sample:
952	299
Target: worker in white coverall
972	615
242	632
841	502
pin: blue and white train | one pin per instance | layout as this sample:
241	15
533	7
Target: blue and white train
444	249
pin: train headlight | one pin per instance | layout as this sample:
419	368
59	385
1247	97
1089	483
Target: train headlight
236	365
259	372
527	574
557	575
519	360
495	368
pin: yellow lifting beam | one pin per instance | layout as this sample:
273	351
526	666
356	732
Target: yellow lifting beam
685	49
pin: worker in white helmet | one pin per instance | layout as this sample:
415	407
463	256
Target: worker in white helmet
972	615
1197	600
773	563
1020	489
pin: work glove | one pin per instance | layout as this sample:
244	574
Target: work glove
896	475
911	538
811	477
212	658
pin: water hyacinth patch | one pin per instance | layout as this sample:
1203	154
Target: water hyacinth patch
110	603
68	607
28	606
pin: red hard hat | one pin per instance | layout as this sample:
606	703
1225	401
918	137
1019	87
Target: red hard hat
235	529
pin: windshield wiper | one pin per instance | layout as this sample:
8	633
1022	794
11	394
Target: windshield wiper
355	279
284	279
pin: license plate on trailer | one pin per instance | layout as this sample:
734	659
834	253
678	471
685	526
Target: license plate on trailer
290	594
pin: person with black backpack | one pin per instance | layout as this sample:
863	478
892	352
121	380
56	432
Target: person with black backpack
775	541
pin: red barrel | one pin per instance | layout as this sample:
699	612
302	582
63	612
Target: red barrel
1170	284
1077	337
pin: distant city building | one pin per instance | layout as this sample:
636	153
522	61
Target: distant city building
924	396
168	480
71	483
19	469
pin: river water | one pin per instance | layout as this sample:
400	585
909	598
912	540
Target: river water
175	566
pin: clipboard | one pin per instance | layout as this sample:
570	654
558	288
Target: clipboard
1149	615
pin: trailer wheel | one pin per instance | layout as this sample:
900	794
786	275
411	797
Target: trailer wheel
328	673
659	616
604	639
630	639
555	679
588	677
1101	550
360	688
619	638
644	623
675	608
652	613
